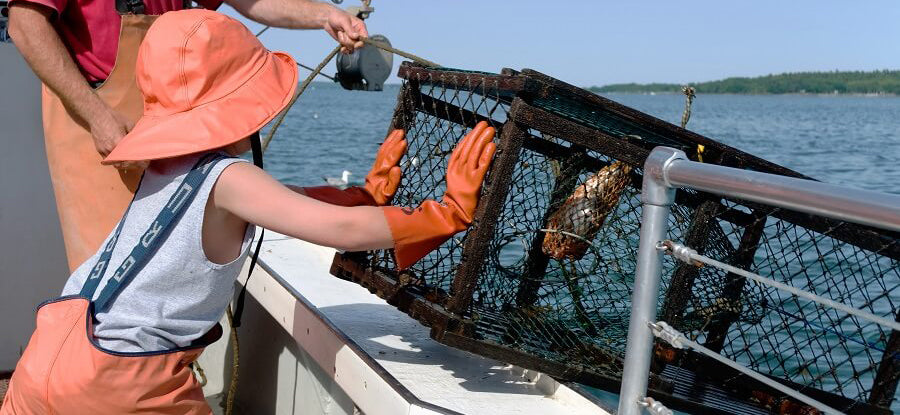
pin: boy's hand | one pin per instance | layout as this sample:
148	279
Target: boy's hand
381	182
418	231
249	193
384	178
465	172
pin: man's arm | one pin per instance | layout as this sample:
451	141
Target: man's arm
37	40
305	14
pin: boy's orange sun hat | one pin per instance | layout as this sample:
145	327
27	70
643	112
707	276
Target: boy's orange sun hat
207	83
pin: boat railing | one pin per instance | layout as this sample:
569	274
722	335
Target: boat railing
667	170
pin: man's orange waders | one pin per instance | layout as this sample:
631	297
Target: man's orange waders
65	371
90	197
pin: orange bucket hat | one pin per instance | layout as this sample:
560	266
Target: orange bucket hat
207	83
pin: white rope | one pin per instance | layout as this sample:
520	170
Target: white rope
662	327
691	255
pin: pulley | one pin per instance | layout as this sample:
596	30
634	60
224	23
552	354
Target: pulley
366	68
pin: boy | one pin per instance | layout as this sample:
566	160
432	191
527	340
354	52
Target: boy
120	339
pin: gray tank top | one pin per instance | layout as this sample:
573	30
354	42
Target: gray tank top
179	295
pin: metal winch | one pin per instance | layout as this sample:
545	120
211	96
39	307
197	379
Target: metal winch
366	68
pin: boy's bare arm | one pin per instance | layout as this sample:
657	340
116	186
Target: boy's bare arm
252	195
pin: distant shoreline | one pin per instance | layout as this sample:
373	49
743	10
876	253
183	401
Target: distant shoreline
854	83
802	94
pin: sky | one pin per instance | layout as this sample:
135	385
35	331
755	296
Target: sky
602	42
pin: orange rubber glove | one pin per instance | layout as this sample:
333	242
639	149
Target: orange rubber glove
381	182
418	231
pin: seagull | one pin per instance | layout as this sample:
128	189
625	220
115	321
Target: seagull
342	182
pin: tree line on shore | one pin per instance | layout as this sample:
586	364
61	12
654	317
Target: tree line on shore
840	82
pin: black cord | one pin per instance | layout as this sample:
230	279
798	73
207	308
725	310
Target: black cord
256	145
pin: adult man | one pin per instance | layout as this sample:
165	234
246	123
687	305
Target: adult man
84	51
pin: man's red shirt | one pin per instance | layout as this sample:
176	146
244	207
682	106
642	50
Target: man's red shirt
90	29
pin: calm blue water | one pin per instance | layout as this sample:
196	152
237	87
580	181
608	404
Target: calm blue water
843	140
851	141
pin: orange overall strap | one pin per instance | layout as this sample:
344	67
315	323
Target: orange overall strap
90	197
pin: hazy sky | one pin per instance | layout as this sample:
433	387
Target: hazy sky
602	42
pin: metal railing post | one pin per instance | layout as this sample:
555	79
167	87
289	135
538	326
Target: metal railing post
657	198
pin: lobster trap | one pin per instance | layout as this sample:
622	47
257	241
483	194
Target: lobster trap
543	277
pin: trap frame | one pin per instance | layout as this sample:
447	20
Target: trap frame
494	292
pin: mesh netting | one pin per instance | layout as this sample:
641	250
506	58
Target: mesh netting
574	311
782	335
430	141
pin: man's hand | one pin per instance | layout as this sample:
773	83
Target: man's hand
346	29
39	43
108	128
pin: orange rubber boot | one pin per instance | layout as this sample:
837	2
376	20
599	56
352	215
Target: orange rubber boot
381	182
418	231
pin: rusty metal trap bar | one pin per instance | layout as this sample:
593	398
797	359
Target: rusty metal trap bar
534	284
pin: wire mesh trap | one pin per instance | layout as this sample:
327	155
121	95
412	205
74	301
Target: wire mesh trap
543	277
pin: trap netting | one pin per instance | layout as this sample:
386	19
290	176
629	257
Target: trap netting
818	348
543	278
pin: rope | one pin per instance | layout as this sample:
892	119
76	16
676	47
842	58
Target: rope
688	101
232	387
200	373
680	340
313	69
389	48
691	255
689	94
407	55
318	69
268	138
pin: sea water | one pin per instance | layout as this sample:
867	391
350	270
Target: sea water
846	140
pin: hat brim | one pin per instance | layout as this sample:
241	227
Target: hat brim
215	124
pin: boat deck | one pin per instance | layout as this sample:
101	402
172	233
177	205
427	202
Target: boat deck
372	338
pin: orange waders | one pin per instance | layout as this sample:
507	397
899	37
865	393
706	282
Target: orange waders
90	197
65	371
